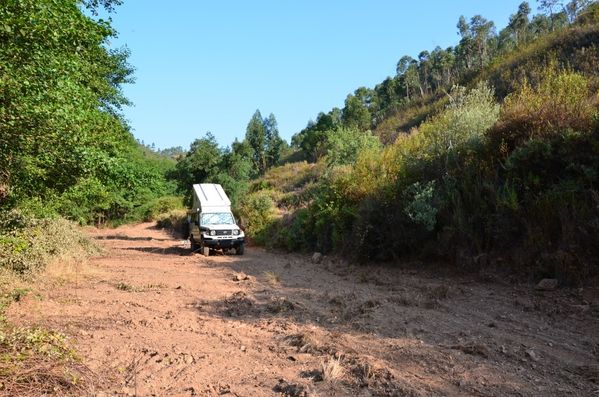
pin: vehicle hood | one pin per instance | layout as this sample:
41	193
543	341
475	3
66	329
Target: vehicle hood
222	227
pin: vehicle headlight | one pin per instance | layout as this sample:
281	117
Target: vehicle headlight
213	232
236	232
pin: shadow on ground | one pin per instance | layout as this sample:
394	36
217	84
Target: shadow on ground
129	238
173	250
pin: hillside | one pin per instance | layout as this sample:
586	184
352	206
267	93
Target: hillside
497	173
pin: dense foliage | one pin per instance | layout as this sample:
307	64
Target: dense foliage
232	167
505	179
64	148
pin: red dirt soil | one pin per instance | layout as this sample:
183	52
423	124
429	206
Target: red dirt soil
152	320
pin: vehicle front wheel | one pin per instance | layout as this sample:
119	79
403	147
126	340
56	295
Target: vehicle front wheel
194	245
240	249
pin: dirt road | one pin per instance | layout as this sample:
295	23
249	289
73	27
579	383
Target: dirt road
152	320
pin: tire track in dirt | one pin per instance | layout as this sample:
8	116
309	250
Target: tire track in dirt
152	320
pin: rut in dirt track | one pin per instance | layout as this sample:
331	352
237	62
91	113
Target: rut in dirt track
151	319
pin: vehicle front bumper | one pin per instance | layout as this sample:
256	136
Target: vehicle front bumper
223	242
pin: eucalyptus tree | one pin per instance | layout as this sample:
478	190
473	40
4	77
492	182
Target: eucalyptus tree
273	142
255	135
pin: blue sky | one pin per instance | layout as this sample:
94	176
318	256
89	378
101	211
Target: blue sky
208	65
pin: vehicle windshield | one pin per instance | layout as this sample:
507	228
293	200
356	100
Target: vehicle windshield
217	218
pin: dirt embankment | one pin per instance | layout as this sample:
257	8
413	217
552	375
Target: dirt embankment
152	320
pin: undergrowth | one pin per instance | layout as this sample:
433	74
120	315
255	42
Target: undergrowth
512	187
28	244
34	360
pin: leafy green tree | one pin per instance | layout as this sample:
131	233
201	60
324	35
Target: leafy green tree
273	142
356	113
238	161
256	137
172	152
424	71
63	141
311	138
474	46
407	67
442	66
519	22
549	7
575	7
200	164
482	31
262	135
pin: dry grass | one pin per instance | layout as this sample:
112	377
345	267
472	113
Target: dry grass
122	286
153	286
280	305
174	221
305	342
34	254
10	281
36	362
332	370
272	278
67	270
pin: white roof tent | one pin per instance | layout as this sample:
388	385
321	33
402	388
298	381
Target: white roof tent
210	197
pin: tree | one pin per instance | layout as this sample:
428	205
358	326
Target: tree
442	64
310	140
262	136
465	49
575	7
482	30
424	71
200	164
518	23
239	161
473	49
548	6
540	25
273	142
256	137
356	113
408	69
60	103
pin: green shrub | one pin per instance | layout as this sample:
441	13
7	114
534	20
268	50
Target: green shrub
257	213
85	201
419	204
174	221
27	244
343	145
155	208
561	101
464	122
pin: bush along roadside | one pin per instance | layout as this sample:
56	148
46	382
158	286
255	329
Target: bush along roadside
35	360
512	186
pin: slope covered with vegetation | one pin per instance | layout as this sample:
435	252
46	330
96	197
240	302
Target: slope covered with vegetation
500	171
